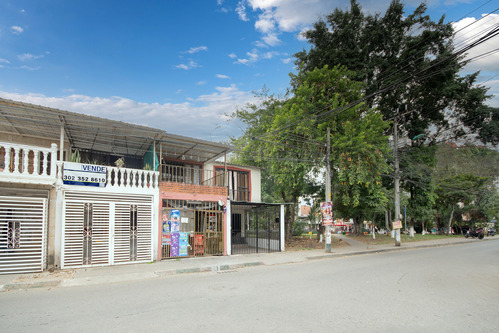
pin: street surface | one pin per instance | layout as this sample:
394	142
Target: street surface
441	289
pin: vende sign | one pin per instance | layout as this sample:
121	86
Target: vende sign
84	174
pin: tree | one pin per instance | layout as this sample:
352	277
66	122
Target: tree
405	61
288	137
467	183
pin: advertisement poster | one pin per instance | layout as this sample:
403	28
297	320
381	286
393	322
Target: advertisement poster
326	213
183	250
397	225
174	220
165	227
165	239
174	247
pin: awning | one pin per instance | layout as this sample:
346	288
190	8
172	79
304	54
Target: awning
99	134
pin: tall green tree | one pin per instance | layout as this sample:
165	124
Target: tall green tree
405	60
289	137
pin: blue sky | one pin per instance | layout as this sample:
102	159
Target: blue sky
177	65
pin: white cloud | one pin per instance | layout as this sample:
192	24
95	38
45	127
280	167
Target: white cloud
197	49
202	117
232	56
287	60
221	76
30	57
256	55
16	29
467	31
241	11
4	61
201	83
192	64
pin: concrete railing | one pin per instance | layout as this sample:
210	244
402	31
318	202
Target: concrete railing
27	164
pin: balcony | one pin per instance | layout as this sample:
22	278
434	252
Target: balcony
27	164
235	185
191	175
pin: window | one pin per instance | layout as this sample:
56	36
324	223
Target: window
237	181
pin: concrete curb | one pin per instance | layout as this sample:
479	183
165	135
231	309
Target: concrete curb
129	277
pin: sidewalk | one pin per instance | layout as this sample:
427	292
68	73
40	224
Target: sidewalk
127	273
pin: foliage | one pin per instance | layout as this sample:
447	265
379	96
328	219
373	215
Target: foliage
289	138
75	156
405	60
467	176
298	228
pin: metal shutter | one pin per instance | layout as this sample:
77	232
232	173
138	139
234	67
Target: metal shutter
22	234
74	234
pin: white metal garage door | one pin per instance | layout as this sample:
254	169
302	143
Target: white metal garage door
107	230
22	234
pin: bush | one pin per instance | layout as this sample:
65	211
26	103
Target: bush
298	228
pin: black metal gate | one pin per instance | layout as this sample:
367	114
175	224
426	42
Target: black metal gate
255	228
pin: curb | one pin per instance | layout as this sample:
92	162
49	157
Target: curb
204	269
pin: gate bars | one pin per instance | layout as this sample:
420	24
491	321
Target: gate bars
255	228
195	230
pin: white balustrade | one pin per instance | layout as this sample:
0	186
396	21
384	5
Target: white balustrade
127	179
27	164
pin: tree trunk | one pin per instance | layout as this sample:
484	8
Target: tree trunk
357	226
451	219
412	227
387	220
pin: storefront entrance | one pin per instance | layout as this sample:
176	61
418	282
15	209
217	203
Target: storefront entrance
192	228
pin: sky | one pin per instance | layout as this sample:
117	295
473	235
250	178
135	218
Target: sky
182	65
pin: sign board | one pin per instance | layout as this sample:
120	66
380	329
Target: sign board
84	174
397	225
326	213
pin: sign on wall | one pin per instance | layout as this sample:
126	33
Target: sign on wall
84	174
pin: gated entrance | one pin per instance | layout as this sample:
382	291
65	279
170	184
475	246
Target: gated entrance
106	229
192	228
255	228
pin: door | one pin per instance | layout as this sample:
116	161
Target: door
23	235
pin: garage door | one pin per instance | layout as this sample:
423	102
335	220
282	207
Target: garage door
106	230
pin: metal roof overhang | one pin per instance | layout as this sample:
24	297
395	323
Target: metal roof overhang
99	134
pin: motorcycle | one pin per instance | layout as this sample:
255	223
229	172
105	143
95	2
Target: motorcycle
491	232
475	233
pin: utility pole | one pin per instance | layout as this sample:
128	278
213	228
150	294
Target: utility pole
397	211
328	193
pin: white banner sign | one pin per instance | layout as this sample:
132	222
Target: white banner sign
84	174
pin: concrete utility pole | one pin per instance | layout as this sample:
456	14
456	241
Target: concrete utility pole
328	193
397	211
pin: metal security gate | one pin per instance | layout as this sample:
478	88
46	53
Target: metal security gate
192	228
255	228
23	223
106	230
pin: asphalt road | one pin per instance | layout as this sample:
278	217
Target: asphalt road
444	289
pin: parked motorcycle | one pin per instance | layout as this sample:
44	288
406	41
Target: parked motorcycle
475	233
491	232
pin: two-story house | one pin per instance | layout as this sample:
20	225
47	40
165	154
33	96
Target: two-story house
82	191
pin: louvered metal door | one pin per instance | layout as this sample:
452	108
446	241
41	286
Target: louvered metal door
132	241
22	234
86	234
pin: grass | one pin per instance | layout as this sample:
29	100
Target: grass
383	239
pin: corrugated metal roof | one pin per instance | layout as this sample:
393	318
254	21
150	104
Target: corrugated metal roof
99	134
